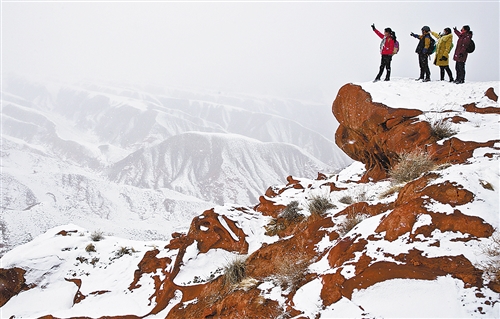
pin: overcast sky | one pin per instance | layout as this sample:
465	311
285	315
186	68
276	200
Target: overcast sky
291	49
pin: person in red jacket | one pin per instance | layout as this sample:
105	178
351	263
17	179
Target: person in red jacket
386	50
460	56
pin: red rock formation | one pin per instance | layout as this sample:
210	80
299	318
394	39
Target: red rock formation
12	282
268	208
490	93
294	183
209	233
412	201
78	295
374	133
454	151
333	187
149	264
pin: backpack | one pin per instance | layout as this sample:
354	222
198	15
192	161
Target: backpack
432	46
471	47
396	47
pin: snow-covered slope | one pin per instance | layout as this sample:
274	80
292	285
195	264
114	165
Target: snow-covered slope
416	251
223	168
61	142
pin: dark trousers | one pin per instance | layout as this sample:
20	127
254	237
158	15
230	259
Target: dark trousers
423	61
385	63
442	69
460	68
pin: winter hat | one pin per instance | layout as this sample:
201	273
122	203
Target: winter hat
466	28
388	30
426	28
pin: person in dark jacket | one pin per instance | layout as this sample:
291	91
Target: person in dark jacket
423	51
386	50
460	56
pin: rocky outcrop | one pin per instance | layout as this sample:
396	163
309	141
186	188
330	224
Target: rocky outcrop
12	282
376	134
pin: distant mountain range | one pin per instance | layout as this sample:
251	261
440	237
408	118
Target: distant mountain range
108	154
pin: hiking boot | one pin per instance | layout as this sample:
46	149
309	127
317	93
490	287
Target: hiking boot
426	80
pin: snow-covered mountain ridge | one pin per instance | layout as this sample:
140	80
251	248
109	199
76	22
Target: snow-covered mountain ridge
379	249
130	160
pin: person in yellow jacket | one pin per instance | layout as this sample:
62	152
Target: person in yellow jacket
443	48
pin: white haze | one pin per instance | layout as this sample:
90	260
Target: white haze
292	49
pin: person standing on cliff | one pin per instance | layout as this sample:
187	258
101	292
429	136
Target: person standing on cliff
424	50
443	48
386	50
460	56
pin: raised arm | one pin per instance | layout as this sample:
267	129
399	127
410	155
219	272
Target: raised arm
416	36
378	33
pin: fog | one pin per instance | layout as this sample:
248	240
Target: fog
303	50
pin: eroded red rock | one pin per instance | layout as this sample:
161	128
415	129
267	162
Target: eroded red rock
374	133
78	295
268	207
12	282
149	264
471	107
401	220
454	151
457	222
66	233
333	187
209	233
490	93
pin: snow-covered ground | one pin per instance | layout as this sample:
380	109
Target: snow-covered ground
50	258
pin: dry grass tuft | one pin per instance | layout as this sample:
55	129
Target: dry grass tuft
122	251
291	212
289	216
442	129
235	271
411	166
290	269
491	266
247	283
97	235
318	205
274	227
391	190
355	196
90	248
352	219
